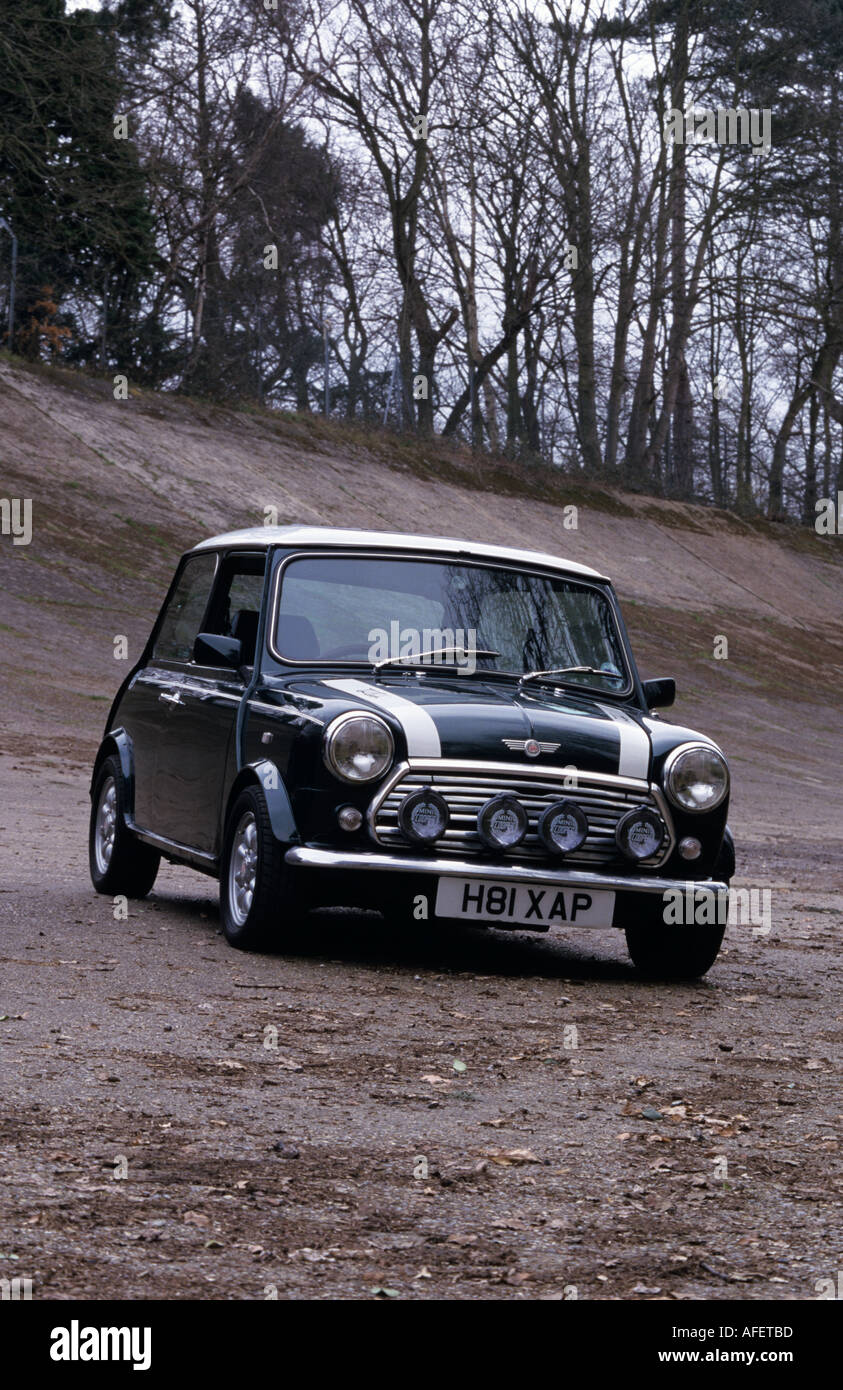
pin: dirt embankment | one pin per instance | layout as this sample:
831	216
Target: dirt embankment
119	488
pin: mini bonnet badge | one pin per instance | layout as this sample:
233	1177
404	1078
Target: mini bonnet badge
531	746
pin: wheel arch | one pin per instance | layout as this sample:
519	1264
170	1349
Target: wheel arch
725	865
265	774
117	743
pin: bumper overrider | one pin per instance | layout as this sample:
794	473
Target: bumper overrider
627	888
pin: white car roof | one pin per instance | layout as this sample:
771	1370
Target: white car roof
330	536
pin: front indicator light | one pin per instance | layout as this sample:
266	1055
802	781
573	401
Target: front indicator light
639	833
563	827
423	816
502	823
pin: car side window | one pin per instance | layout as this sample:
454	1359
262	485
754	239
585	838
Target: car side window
236	604
184	613
244	596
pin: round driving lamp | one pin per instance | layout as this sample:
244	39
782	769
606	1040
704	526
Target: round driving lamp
423	816
502	823
357	747
639	833
562	827
696	777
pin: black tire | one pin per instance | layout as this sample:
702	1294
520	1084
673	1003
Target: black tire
672	952
118	861
253	917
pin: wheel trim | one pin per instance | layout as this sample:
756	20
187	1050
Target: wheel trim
105	828
243	869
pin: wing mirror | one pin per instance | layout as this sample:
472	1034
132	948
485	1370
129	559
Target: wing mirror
212	649
660	693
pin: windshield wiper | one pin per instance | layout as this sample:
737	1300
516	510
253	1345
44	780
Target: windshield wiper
426	656
569	671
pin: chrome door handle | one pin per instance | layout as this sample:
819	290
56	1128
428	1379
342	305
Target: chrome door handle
170	699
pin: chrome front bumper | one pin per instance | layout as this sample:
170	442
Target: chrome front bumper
368	861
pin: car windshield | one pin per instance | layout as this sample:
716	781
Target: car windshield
351	608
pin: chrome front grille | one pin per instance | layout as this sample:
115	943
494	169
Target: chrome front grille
467	786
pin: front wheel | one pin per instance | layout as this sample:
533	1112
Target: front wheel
255	888
674	952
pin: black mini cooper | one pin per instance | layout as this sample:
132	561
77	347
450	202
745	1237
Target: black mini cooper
410	723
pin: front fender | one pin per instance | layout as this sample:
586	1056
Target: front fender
278	803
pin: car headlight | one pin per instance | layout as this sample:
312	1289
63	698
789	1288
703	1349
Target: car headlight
696	777
358	747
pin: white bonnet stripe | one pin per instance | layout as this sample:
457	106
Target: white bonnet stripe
634	755
420	731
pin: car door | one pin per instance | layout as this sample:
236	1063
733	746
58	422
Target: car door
197	752
148	704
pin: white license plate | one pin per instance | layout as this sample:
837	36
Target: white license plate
487	900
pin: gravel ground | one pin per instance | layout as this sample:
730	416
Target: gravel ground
424	1122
